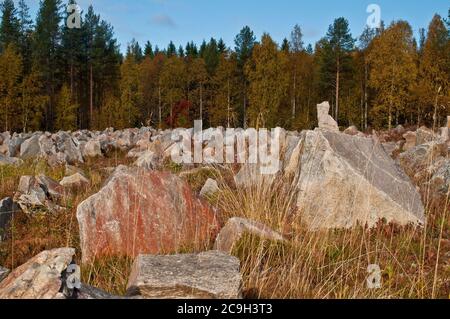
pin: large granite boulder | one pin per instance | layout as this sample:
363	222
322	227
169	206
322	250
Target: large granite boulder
356	182
39	278
30	148
208	275
143	212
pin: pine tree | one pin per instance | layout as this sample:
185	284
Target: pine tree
10	74
340	44
221	46
269	81
365	40
211	55
9	26
285	47
148	50
46	45
135	50
171	50
25	36
66	110
244	43
72	50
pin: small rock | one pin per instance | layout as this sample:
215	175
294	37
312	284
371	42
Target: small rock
39	278
30	195
92	149
352	130
326	122
92	293
3	273
72	170
236	227
210	188
424	135
30	148
4	160
148	160
208	275
411	140
52	188
7	209
75	181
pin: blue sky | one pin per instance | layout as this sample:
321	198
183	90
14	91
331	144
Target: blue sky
183	20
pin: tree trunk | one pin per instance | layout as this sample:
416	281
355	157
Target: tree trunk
337	90
159	106
91	95
294	100
366	98
201	101
228	104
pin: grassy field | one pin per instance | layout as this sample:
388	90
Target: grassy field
415	262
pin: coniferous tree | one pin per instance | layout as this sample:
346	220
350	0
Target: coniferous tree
47	40
244	43
148	50
9	26
25	35
339	44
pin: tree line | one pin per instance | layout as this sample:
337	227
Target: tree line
54	77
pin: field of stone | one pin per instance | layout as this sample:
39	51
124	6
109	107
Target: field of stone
140	226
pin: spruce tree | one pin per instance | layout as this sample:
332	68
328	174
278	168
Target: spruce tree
47	40
9	26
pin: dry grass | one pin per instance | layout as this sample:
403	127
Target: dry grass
332	264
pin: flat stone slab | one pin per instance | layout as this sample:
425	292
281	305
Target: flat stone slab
208	275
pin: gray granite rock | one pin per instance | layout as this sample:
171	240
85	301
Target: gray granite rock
208	275
356	182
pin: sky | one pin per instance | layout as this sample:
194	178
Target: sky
160	21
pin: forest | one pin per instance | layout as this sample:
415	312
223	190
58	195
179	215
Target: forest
53	77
